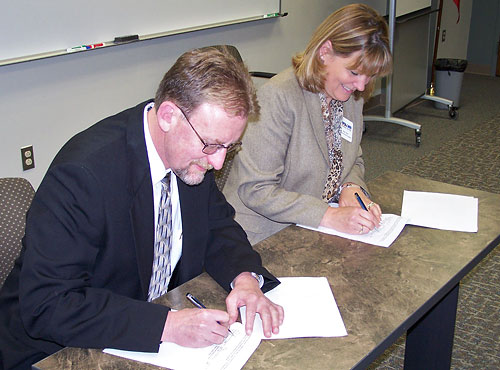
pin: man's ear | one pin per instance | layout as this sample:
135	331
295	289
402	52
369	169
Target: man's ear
166	115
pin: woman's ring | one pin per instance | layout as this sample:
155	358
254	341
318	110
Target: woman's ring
362	228
370	205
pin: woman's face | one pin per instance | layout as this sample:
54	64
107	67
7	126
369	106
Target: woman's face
340	81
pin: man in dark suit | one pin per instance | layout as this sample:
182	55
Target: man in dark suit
84	277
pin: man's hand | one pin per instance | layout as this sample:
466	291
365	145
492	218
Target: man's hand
247	293
193	327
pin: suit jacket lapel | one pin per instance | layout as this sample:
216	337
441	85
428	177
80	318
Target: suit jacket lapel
314	109
141	191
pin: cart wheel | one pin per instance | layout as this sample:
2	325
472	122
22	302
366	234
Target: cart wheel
452	111
418	137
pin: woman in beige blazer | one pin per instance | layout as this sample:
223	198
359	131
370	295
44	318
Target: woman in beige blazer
302	157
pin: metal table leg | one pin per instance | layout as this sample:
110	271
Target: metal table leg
429	342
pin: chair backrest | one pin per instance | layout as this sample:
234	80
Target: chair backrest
231	50
222	174
16	195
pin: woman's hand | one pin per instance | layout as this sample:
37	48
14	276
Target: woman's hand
349	217
348	199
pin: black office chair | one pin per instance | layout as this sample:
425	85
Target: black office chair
16	195
222	174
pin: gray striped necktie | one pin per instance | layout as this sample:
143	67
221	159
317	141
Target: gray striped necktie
162	272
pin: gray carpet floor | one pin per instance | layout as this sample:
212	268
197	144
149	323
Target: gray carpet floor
464	152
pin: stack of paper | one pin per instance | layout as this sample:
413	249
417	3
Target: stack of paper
383	236
232	354
436	210
440	211
301	297
304	297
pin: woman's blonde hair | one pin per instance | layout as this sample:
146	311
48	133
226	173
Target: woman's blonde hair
352	28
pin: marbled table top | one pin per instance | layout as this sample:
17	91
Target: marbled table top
381	292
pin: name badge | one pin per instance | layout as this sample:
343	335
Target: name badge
346	128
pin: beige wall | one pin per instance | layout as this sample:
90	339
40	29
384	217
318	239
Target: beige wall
457	34
45	102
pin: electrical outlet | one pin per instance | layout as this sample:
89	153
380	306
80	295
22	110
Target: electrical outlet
27	157
443	36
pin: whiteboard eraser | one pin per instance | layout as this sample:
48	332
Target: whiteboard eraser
128	38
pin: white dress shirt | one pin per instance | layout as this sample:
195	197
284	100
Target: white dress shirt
158	172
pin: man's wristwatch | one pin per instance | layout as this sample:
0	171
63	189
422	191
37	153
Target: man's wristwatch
259	278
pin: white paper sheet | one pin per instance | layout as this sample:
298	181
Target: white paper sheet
232	354
441	211
310	309
383	236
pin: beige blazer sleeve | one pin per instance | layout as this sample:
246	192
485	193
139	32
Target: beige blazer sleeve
278	177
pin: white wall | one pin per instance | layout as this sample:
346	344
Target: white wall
45	102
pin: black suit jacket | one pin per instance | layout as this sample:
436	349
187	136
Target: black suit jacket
83	276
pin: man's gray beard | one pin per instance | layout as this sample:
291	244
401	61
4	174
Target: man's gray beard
189	178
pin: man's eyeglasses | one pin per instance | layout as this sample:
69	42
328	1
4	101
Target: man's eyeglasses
211	148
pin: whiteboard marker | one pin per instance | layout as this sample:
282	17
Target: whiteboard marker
77	48
93	46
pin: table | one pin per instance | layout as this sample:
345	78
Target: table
382	293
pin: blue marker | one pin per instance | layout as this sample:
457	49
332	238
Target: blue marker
360	202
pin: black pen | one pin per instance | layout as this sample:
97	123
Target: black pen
198	304
194	300
360	202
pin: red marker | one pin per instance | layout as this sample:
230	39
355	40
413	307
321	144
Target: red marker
93	46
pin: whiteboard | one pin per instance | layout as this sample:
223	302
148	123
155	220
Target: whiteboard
31	27
409	6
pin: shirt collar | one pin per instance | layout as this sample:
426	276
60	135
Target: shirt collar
156	166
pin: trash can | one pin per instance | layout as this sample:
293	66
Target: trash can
449	76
